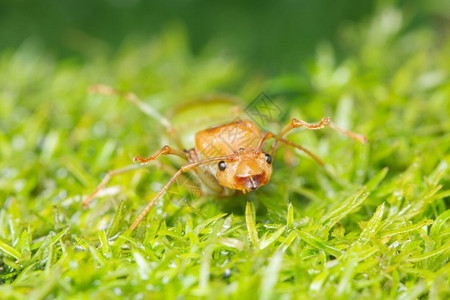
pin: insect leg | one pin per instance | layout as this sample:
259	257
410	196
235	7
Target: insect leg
205	177
106	179
294	123
301	148
142	106
183	169
264	138
357	137
268	135
166	150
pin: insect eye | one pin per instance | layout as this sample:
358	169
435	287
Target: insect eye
222	165
268	158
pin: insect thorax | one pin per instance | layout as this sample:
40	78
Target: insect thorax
226	139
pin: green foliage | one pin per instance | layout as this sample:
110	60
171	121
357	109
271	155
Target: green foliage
374	223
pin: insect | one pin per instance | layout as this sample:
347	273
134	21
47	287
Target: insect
225	158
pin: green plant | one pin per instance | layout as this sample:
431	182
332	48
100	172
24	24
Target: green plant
372	224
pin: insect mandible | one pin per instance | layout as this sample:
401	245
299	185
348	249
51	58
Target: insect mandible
225	158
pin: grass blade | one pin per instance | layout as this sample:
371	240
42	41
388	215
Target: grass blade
251	225
373	225
7	249
270	276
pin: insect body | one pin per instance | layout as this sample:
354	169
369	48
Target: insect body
247	167
225	158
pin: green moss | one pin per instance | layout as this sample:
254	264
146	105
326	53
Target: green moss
372	224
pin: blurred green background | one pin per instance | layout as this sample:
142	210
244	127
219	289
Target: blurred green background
268	36
373	224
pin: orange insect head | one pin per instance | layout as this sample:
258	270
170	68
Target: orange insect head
246	170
